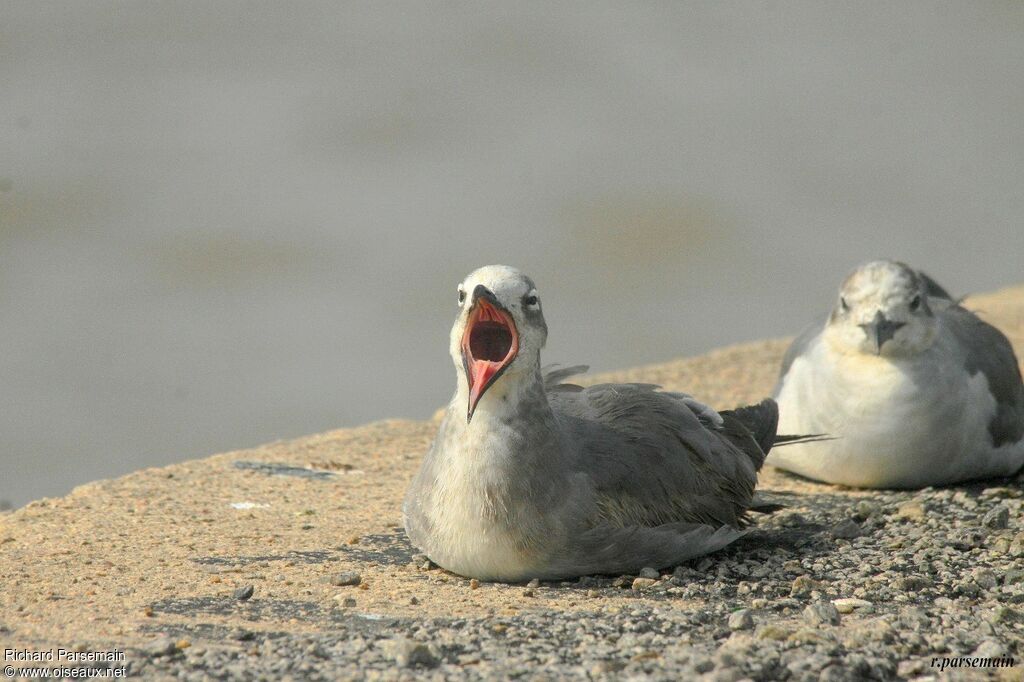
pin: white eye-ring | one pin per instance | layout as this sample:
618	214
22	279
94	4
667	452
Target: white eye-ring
462	295
531	300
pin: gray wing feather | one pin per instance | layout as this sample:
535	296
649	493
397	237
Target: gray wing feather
988	351
705	413
553	377
651	460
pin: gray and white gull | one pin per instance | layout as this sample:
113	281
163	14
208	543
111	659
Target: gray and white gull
529	477
916	389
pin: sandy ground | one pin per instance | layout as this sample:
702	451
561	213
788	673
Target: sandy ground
162	551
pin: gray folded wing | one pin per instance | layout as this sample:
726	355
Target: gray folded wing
987	350
651	461
610	550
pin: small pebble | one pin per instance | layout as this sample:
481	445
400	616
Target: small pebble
1013	576
913	583
684	573
773	631
998	518
605	667
849	604
966	539
316	651
822	613
1006	614
649	573
161	646
803	586
866	510
846	530
244	593
984	578
911	511
410	654
1016	548
741	620
423	562
989	649
703	664
474	584
1002	492
345	578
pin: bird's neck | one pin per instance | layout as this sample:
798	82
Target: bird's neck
513	395
512	422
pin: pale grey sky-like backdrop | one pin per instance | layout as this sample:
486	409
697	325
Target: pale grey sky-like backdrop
227	223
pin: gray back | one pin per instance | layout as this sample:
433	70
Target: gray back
988	351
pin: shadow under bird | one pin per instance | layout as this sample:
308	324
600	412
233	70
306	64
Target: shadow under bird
916	389
530	477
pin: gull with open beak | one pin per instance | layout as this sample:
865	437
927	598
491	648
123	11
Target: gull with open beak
916	389
530	477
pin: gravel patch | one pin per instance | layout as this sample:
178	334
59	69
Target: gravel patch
793	601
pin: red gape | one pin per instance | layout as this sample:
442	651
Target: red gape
488	328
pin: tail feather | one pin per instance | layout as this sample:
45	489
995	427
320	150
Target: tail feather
792	439
762	421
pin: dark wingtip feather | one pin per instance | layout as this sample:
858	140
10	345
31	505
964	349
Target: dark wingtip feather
793	439
761	420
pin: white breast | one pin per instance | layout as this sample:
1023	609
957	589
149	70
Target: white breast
471	535
897	423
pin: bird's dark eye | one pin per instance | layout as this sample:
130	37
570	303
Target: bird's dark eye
462	295
530	300
916	303
843	304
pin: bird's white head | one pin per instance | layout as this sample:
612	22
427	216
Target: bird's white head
498	333
883	310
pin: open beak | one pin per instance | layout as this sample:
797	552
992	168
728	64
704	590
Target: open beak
880	330
489	345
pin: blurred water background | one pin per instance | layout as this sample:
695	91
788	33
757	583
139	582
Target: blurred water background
227	223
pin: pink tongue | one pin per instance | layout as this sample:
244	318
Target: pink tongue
482	371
